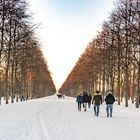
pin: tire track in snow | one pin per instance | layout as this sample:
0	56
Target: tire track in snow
43	128
35	124
59	126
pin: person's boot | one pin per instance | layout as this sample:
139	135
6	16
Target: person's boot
107	115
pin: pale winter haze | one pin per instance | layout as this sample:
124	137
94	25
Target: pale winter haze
58	119
66	28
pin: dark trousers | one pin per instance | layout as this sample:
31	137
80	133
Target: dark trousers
89	104
79	106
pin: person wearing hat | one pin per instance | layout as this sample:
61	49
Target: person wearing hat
109	99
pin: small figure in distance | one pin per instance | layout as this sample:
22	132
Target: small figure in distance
97	100
79	100
59	95
109	99
63	95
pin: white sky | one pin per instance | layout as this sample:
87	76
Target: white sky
66	28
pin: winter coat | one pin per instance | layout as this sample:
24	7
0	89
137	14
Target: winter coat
97	99
89	98
79	99
85	98
109	99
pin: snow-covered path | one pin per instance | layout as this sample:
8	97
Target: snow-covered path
58	119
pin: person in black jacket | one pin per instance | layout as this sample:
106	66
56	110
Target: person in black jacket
89	100
85	100
109	104
97	100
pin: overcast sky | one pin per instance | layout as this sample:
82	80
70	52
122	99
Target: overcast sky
66	28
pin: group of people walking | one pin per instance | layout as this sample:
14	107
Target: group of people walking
86	98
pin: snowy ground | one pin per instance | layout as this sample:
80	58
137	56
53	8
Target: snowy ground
58	119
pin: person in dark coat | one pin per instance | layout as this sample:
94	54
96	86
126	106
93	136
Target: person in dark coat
109	104
89	100
79	100
85	100
97	100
